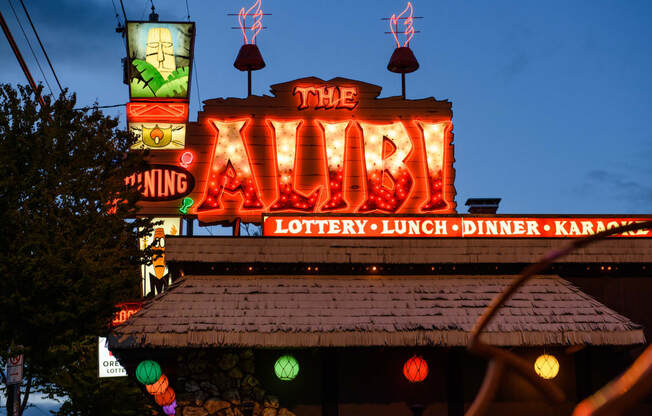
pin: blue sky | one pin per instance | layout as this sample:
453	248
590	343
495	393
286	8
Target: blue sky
551	100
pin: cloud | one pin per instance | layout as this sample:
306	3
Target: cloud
635	193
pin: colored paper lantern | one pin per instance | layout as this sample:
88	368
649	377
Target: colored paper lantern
286	368
159	387
166	398
546	366
415	369
148	372
170	409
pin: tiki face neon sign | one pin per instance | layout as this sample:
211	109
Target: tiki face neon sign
317	147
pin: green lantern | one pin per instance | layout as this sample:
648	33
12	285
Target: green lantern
148	372
286	368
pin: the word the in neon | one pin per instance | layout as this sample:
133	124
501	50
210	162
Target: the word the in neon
327	97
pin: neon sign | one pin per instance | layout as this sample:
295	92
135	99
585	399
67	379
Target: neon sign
327	97
127	309
162	183
442	227
313	147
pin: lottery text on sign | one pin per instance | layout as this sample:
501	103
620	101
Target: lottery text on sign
507	227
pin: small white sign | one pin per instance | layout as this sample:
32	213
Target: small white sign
15	369
109	366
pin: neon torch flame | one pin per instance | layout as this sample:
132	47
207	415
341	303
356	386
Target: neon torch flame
257	25
409	28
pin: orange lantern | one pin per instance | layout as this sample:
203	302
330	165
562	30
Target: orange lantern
165	398
415	369
159	387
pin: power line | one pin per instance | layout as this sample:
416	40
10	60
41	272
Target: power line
20	59
42	47
194	64
123	11
30	46
99	106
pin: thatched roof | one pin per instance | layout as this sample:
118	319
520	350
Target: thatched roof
398	251
312	311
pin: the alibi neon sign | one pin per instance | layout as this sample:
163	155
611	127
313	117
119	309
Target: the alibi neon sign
323	147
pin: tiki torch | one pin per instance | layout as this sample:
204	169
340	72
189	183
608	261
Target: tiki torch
403	60
249	57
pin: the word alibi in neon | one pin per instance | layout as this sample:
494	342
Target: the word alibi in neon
388	179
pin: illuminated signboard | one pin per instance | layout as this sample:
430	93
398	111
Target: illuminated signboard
126	310
441	226
162	183
316	146
160	57
155	276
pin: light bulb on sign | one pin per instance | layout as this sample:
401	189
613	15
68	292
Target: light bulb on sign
185	204
186	159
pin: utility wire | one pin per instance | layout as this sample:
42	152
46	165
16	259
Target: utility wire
123	11
30	46
41	44
88	107
194	65
21	61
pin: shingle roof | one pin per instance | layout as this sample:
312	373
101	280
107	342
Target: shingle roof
303	311
398	251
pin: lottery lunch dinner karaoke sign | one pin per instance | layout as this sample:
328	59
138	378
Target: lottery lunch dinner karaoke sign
312	146
446	226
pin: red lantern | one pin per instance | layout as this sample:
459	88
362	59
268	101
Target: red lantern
159	387
415	369
165	398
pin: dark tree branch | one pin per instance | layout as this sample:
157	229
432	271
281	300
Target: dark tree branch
4	378
26	395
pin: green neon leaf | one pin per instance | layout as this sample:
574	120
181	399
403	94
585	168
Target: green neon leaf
174	88
150	74
140	89
179	73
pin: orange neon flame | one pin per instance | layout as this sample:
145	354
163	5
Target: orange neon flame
257	25
409	28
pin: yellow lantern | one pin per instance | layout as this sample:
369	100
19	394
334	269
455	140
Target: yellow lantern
546	366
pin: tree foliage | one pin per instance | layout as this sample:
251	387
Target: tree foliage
68	252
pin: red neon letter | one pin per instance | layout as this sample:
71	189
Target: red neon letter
388	179
433	135
230	168
348	98
285	134
326	97
334	140
304	94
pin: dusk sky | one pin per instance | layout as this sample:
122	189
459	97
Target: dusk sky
551	100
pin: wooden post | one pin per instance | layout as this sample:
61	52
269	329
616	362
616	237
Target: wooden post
455	382
329	383
189	226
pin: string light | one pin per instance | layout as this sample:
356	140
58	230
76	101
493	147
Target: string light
285	134
233	172
334	139
379	167
433	135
